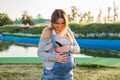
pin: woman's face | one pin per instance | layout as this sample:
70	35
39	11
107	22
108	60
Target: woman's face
59	25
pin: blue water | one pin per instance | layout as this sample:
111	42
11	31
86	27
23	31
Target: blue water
83	43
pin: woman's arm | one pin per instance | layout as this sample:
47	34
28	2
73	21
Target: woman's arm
45	45
74	48
45	52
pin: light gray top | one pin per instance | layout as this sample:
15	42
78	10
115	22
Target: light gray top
46	50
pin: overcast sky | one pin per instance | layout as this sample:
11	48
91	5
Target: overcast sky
15	8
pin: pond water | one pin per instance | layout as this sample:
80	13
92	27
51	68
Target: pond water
8	49
19	51
12	49
89	47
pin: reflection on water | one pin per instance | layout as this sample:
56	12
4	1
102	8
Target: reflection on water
21	50
101	53
8	49
81	55
89	49
4	45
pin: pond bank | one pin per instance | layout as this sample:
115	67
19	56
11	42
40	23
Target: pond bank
101	61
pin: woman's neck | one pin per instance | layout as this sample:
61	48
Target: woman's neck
56	32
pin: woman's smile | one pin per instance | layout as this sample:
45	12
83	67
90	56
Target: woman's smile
59	24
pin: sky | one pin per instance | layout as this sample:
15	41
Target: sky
15	8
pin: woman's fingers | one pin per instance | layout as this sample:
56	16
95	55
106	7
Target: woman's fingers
62	58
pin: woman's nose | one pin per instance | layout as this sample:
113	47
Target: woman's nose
59	25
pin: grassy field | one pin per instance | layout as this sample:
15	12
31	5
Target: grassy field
81	72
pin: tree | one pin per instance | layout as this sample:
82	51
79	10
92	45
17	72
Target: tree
108	16
86	17
26	18
74	14
4	19
39	16
80	17
99	16
115	17
89	17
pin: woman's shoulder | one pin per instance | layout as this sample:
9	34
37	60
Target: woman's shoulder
46	32
69	30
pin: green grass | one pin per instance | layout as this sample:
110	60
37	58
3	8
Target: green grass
100	61
30	68
34	71
101	73
96	60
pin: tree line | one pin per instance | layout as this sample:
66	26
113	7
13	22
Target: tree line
87	17
74	17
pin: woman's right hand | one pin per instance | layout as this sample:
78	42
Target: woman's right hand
61	57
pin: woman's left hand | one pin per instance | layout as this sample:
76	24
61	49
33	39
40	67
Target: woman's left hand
64	48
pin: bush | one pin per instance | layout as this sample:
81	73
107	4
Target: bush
10	29
89	31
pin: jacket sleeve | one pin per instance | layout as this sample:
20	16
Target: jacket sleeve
75	48
44	47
